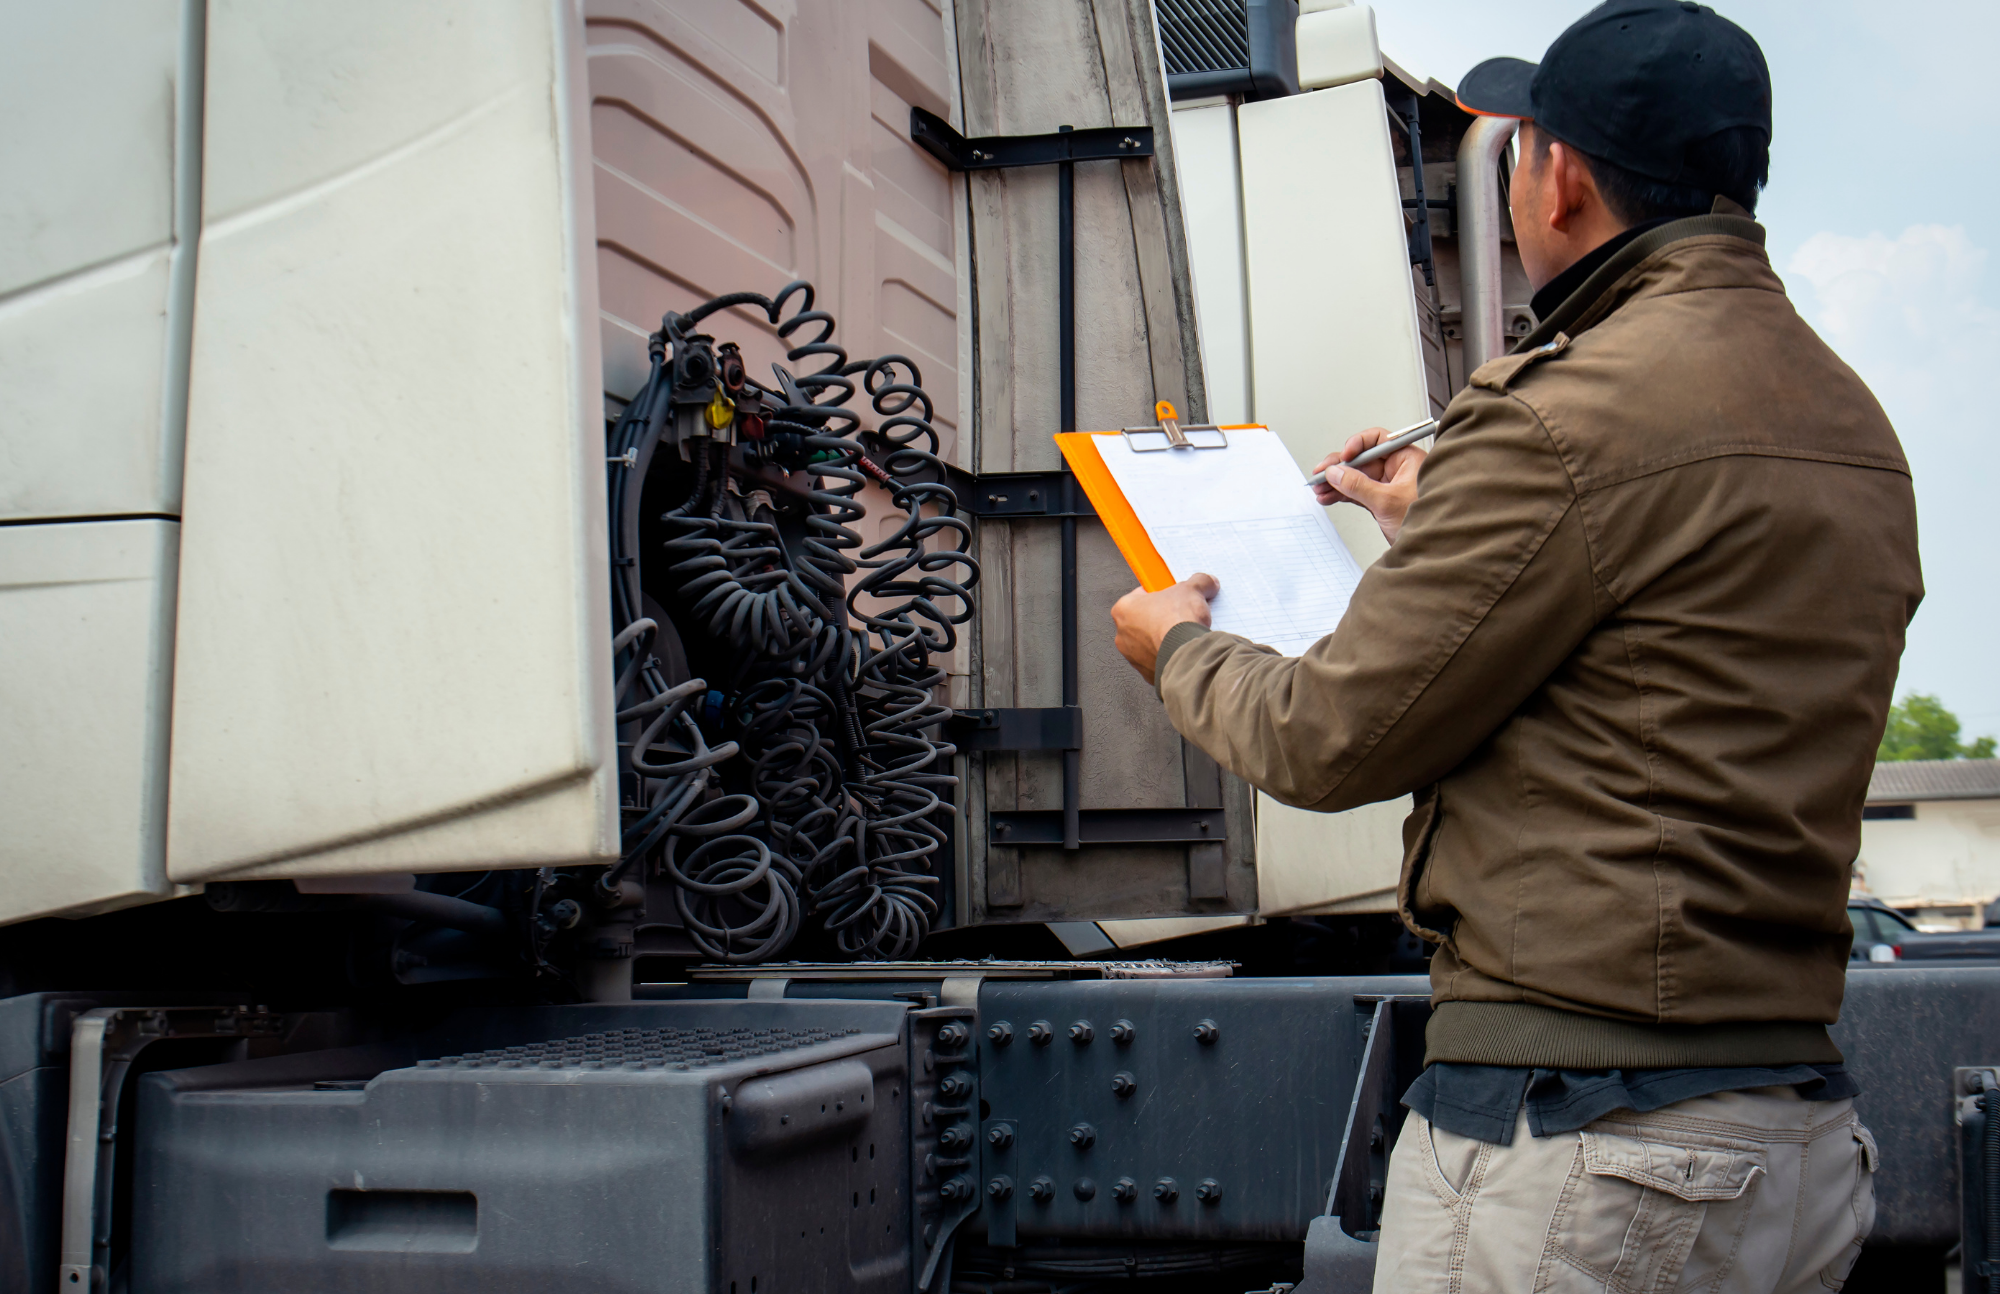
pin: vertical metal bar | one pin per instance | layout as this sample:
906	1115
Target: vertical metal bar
1066	285
1066	344
1420	236
86	1096
1479	238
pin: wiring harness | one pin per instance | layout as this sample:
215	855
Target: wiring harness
810	781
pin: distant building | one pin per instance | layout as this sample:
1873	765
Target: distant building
1930	839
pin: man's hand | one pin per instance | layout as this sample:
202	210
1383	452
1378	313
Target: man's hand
1386	487
1143	618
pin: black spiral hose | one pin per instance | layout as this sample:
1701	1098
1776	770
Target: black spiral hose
838	779
886	899
670	765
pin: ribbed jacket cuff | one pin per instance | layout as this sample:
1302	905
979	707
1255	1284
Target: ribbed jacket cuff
1524	1035
1177	637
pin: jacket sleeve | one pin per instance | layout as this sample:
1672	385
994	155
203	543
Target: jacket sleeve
1486	591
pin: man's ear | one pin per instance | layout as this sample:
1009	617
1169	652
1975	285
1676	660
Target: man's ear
1570	184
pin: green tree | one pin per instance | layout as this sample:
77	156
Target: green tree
1921	728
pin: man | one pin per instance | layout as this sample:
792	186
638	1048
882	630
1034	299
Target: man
1632	648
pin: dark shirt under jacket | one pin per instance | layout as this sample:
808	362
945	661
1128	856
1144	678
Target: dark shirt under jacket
1484	1101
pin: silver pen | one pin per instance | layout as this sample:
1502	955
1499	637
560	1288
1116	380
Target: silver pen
1407	436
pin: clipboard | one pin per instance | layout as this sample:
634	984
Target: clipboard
1228	500
1079	450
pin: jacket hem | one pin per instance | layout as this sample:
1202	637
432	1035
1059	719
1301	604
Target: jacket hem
1523	1035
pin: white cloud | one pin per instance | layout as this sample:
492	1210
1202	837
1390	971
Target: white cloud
1911	315
1855	277
1906	312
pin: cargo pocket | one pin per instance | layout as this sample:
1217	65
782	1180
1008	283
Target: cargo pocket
1861	1203
1631	1209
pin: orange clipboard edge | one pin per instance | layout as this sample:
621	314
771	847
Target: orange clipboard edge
1079	448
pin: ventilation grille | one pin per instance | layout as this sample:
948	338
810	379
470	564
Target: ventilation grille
1204	35
643	1049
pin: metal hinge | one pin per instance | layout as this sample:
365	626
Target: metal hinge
1107	827
935	136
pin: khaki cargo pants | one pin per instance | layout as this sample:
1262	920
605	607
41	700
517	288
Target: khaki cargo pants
1739	1191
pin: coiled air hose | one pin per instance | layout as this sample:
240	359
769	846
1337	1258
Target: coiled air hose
828	799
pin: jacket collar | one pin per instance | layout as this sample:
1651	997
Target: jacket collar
1570	317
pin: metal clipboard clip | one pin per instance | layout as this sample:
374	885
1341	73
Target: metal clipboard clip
1176	436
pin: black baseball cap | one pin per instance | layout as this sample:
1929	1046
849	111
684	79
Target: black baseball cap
1634	82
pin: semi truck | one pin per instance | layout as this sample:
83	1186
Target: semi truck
560	722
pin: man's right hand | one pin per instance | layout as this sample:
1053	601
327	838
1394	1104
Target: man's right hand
1386	487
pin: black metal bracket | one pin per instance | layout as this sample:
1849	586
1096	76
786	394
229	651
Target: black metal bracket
1406	106
1019	496
1056	727
1107	827
1002	496
935	136
1391	1061
1045	494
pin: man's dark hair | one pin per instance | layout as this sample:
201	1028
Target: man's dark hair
1735	163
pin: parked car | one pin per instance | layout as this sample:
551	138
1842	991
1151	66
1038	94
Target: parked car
1877	925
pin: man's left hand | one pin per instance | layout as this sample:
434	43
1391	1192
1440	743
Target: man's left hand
1143	618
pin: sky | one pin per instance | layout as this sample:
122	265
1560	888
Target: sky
1882	220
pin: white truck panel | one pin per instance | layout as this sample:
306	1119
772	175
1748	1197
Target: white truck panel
1328	862
1336	46
86	226
88	174
1205	146
1332	312
82	375
1334	323
86	622
393	649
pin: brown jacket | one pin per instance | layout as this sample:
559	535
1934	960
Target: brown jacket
1633	651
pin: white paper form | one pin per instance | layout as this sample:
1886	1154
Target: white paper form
1245	515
